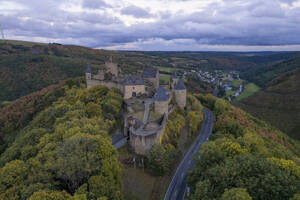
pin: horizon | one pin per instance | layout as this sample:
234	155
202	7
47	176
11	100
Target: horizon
167	25
182	51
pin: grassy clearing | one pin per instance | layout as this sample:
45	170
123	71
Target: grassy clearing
154	116
164	78
249	90
168	69
139	115
236	83
139	184
229	93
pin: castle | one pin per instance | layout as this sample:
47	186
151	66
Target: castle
148	103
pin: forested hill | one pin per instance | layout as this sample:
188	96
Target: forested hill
263	74
279	102
27	67
245	159
56	144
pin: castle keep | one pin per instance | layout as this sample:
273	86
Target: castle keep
148	104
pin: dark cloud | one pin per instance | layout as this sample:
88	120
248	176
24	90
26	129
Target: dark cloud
233	22
95	4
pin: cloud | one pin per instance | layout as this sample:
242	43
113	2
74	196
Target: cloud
135	11
155	24
94	4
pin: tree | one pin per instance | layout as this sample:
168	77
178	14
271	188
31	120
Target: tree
77	159
93	110
12	174
159	159
50	195
236	194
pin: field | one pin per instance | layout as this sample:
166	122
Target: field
237	82
164	78
249	90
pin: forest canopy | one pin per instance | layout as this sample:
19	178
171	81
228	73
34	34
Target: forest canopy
245	159
63	150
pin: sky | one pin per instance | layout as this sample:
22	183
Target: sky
156	25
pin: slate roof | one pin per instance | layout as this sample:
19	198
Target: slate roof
88	69
161	94
180	85
174	75
149	72
133	80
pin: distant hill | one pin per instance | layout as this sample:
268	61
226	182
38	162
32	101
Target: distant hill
279	102
264	73
27	67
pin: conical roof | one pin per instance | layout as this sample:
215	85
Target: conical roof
161	94
88	69
180	85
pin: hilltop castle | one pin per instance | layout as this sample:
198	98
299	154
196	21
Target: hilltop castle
148	103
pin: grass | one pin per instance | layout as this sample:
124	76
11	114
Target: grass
139	115
167	69
154	116
228	93
139	184
236	83
249	90
164	78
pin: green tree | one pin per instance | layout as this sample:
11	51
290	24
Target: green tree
236	194
50	195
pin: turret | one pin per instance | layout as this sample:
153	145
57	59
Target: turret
180	93
161	99
173	81
88	73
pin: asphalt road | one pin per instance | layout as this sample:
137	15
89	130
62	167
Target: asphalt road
177	187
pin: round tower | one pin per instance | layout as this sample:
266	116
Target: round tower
161	104
180	94
88	73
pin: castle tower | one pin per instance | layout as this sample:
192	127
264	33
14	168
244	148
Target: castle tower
180	94
174	80
88	76
152	75
161	99
88	73
112	67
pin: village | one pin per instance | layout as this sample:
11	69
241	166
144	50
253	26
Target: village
228	84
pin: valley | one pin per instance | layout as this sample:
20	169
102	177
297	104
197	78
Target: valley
63	108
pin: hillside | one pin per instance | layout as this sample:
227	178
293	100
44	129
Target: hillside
264	73
279	102
244	159
27	67
56	144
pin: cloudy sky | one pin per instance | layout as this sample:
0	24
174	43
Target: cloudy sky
196	25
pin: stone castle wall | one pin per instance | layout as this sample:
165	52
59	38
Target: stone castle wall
142	141
154	81
180	98
161	107
129	89
112	68
109	84
173	82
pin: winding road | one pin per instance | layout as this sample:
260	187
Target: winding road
177	187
